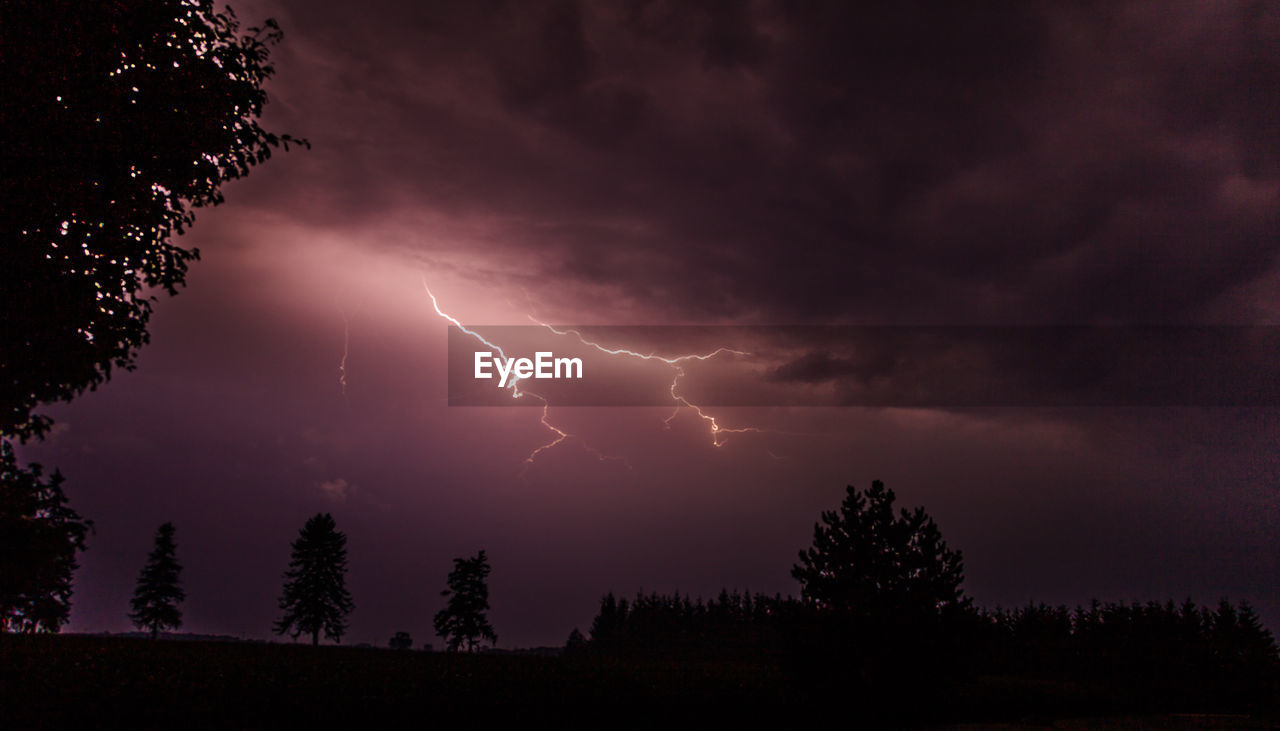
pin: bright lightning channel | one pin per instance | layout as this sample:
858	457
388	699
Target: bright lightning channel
718	432
559	435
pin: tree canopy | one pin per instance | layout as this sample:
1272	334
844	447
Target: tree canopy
156	598
463	620
868	562
120	118
315	597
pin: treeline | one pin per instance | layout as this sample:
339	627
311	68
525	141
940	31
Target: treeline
1206	657
732	626
817	644
882	616
1144	654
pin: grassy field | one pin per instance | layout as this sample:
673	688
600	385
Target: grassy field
96	682
65	681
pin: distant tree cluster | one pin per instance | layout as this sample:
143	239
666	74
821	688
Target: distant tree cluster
314	600
1169	656
1201	655
730	626
881	614
401	641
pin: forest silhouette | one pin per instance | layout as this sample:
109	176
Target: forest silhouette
882	623
883	617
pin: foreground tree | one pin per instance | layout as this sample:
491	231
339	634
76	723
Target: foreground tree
156	598
315	597
39	539
463	620
869	563
119	119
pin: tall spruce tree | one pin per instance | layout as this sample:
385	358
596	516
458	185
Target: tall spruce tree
156	598
315	597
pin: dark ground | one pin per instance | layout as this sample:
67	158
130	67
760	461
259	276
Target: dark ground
96	682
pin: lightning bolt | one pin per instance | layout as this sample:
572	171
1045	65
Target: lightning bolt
514	382
346	343
718	432
346	347
559	436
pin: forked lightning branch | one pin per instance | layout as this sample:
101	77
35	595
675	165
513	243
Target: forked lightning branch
543	365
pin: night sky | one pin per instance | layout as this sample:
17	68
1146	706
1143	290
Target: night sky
651	163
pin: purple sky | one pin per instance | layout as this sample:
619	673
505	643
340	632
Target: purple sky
647	163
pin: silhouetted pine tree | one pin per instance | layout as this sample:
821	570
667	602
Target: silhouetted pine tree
607	627
156	598
315	597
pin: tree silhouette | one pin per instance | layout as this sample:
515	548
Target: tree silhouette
315	597
156	598
1184	655
401	641
608	628
463	620
39	538
119	119
868	563
733	627
576	642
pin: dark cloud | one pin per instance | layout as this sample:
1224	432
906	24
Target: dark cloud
1038	366
723	33
908	162
542	54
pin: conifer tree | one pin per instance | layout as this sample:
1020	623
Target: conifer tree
315	597
156	598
